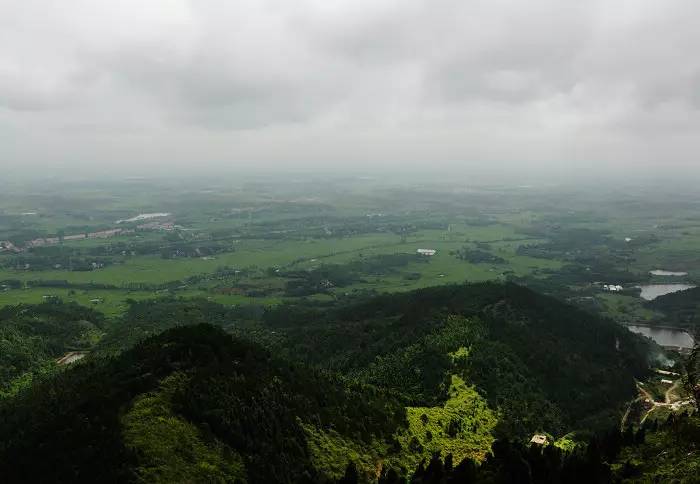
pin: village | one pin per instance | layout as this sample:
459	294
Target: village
9	247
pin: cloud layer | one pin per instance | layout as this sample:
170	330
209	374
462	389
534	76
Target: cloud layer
496	84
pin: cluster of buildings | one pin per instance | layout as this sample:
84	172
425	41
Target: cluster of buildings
166	226
102	234
612	288
7	246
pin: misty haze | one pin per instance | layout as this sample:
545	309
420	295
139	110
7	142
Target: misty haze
349	242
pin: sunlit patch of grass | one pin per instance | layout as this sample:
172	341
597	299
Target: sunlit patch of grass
462	427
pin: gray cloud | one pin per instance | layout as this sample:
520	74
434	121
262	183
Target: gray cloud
539	85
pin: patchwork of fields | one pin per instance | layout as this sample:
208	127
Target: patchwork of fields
258	243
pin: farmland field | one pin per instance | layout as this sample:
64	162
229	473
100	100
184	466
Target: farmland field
264	241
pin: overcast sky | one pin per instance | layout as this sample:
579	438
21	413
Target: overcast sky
544	86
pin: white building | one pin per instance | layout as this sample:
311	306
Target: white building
612	288
539	439
427	252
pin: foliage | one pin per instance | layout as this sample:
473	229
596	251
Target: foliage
462	427
355	387
150	317
170	448
70	428
682	308
32	336
667	453
331	453
478	256
542	363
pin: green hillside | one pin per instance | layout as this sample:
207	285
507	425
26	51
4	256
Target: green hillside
191	404
681	308
543	364
33	336
363	389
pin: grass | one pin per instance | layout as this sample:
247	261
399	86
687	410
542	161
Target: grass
113	302
259	255
250	253
626	308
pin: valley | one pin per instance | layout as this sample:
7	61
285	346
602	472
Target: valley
272	332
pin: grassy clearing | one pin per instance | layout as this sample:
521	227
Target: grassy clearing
462	427
626	308
111	303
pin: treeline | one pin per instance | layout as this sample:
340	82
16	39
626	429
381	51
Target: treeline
31	262
327	276
64	284
221	273
477	256
333	227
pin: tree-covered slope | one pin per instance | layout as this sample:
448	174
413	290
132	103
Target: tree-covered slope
33	336
666	451
541	363
192	403
657	452
682	308
384	382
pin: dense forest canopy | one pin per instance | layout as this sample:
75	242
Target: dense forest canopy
363	389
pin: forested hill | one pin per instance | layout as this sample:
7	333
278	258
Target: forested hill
312	391
681	308
542	363
192	404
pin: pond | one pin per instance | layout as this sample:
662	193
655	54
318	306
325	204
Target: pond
652	291
665	336
661	272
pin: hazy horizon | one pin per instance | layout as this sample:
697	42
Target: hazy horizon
482	90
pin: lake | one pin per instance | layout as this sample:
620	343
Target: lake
665	336
661	272
652	291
